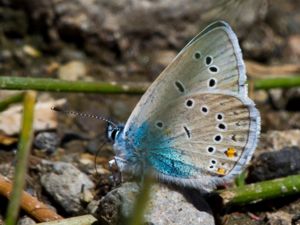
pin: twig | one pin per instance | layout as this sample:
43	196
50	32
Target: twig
257	192
5	103
55	85
78	220
31	205
277	82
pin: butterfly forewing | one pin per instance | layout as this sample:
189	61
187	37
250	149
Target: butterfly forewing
193	70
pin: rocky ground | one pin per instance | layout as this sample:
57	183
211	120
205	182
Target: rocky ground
130	40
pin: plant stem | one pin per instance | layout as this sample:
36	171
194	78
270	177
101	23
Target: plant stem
10	100
142	199
56	85
22	158
264	190
277	82
78	220
45	84
240	179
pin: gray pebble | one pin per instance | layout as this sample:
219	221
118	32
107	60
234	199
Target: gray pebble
165	207
66	184
271	165
25	220
47	141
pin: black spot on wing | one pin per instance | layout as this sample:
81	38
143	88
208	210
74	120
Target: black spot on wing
187	131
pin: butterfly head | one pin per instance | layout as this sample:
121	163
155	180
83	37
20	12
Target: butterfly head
113	131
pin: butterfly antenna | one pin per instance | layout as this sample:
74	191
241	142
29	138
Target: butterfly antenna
73	113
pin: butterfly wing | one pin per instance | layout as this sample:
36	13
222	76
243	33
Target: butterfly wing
216	47
212	142
177	126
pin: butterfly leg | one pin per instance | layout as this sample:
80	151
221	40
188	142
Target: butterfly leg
116	172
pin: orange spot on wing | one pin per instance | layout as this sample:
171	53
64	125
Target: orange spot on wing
221	171
230	152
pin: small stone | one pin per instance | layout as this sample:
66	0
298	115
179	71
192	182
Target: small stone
47	141
261	42
52	67
276	140
270	165
5	55
294	44
165	206
260	96
7	140
74	70
31	51
71	54
118	204
93	206
65	183
279	218
171	207
25	220
87	196
277	99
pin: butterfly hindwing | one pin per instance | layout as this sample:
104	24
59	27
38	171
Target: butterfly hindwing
214	139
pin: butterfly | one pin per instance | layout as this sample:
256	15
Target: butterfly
195	125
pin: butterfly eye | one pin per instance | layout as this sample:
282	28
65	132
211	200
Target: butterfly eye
113	134
197	55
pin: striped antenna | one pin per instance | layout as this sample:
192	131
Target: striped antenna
80	114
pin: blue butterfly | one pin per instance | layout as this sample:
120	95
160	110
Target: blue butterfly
195	125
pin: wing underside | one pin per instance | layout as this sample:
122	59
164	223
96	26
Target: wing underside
200	122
